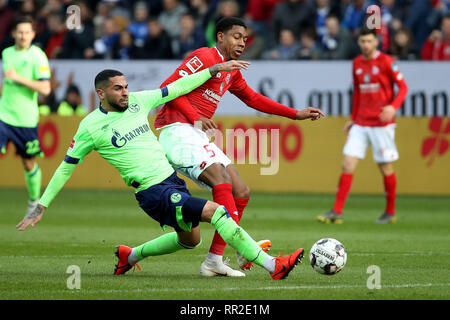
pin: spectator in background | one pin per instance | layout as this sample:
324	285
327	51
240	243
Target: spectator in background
295	15
202	10
225	8
437	47
158	43
190	39
255	45
440	9
125	48
104	45
57	28
138	27
103	12
170	17
28	8
416	21
392	17
52	7
354	16
79	43
72	103
338	43
7	19
288	48
260	12
309	49
403	46
324	8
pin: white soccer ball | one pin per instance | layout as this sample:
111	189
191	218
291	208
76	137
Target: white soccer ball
328	256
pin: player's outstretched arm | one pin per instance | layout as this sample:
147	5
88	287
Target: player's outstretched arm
59	179
32	218
41	86
309	113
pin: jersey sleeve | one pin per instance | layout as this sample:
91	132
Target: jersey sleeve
41	67
81	145
397	77
154	98
257	101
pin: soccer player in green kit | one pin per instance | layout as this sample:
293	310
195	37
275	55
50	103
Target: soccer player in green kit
119	131
26	73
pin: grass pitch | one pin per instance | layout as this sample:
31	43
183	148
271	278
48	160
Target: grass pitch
81	229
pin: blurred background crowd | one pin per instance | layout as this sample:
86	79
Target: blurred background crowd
278	29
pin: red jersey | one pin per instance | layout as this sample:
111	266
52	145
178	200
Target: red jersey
436	50
373	85
203	101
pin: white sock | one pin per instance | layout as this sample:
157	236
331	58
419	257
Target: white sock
132	257
214	258
269	264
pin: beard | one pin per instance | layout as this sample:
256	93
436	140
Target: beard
118	108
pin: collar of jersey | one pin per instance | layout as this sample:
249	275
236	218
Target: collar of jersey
102	110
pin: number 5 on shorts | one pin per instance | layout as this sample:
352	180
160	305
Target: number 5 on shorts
210	152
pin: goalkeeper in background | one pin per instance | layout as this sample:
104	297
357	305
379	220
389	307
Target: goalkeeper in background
26	73
119	131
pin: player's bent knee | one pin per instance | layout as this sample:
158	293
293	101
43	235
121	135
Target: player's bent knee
191	245
242	193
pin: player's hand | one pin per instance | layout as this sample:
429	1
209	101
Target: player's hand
309	113
348	125
32	218
207	124
229	66
11	74
387	114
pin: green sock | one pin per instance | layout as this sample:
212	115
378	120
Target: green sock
165	244
33	180
237	237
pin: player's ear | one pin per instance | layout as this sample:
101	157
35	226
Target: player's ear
220	36
100	93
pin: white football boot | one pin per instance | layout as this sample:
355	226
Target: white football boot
215	268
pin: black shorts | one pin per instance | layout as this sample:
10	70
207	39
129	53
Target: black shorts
171	204
26	140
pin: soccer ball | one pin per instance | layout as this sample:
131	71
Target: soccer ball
328	256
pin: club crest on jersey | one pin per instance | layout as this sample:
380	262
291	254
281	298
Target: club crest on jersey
119	141
375	70
194	64
133	108
175	197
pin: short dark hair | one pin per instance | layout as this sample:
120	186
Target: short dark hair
364	31
103	77
227	23
22	19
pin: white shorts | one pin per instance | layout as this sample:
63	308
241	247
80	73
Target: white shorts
189	151
381	139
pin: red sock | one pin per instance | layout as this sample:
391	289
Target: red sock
345	183
240	206
390	183
223	195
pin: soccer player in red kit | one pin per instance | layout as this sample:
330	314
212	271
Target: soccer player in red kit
189	149
372	123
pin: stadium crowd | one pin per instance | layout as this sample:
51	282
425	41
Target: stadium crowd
278	29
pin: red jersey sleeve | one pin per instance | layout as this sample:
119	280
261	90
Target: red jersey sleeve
257	101
397	77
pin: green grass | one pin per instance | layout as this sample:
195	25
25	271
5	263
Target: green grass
82	228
